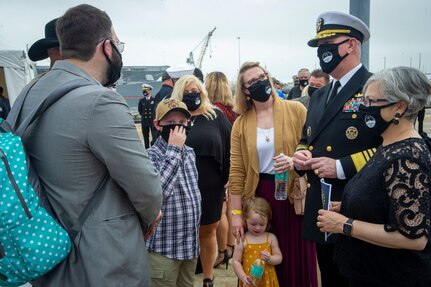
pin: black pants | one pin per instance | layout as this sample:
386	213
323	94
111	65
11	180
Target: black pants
329	273
146	134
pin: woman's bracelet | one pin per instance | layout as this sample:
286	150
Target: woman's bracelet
236	212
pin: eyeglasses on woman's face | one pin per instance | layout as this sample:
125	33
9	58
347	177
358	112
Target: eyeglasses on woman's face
253	81
368	102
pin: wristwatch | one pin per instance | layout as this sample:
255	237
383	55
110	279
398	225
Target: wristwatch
347	227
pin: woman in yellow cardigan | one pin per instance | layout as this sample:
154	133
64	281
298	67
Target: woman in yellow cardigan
268	126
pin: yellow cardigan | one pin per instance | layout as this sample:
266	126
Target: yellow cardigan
289	119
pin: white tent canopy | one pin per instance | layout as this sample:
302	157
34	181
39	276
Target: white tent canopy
18	72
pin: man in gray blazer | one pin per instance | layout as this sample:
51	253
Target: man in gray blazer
84	137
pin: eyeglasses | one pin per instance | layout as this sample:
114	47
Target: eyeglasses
255	80
367	101
119	44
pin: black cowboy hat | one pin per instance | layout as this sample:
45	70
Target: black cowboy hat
38	51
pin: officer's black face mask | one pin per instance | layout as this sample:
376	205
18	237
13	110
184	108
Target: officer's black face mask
329	56
373	118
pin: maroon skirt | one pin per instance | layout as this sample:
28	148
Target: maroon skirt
299	265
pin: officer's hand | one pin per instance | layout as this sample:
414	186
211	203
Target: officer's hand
177	136
301	159
324	167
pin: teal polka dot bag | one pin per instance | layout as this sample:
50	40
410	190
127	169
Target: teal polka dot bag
31	241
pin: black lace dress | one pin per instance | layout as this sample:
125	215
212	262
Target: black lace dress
392	189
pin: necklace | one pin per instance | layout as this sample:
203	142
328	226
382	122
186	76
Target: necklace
267	139
192	122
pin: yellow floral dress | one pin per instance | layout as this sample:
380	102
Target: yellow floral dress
251	253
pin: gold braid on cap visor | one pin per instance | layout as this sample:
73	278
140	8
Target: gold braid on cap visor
329	33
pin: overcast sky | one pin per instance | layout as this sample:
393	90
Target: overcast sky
274	32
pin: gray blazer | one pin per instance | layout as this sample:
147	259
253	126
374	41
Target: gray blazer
84	136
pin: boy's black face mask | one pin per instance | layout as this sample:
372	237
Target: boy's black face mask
166	130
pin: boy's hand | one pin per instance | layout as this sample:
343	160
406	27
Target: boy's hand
177	136
153	226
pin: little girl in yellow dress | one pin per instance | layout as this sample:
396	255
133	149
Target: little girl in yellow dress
258	244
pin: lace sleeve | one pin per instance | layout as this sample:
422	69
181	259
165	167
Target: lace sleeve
407	184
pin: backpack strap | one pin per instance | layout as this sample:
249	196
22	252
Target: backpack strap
14	113
54	96
91	205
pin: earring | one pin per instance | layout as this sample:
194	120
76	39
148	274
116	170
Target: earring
248	98
396	119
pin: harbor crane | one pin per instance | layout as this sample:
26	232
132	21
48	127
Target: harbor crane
205	42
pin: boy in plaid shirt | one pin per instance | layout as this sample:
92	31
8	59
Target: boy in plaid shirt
174	247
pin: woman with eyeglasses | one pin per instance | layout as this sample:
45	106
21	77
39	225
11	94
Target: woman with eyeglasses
266	128
209	136
385	209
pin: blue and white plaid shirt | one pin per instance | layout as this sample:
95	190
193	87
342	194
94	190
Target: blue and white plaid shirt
177	235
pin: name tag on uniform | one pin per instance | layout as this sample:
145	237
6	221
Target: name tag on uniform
352	106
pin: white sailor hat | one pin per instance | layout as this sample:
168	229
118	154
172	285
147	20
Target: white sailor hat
180	70
333	24
146	86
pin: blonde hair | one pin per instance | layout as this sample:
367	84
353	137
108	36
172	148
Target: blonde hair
259	206
243	102
178	92
218	88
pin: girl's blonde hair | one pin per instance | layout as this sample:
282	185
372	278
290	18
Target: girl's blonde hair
257	205
206	107
218	88
243	102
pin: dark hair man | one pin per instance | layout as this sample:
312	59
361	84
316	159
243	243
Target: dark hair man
88	139
335	143
317	79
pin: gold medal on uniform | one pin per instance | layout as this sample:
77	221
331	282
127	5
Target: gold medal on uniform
351	133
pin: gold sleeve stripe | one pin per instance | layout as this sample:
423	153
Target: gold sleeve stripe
361	158
301	147
367	157
358	160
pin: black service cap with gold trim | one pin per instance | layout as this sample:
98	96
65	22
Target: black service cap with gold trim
333	24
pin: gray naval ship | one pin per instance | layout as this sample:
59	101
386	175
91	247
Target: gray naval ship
129	85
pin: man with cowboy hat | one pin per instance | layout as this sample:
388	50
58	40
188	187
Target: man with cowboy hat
46	47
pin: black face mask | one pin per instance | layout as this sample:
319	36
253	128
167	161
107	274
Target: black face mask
373	118
311	90
260	91
329	56
192	101
115	65
166	130
303	83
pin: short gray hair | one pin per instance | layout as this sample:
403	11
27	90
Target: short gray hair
403	84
